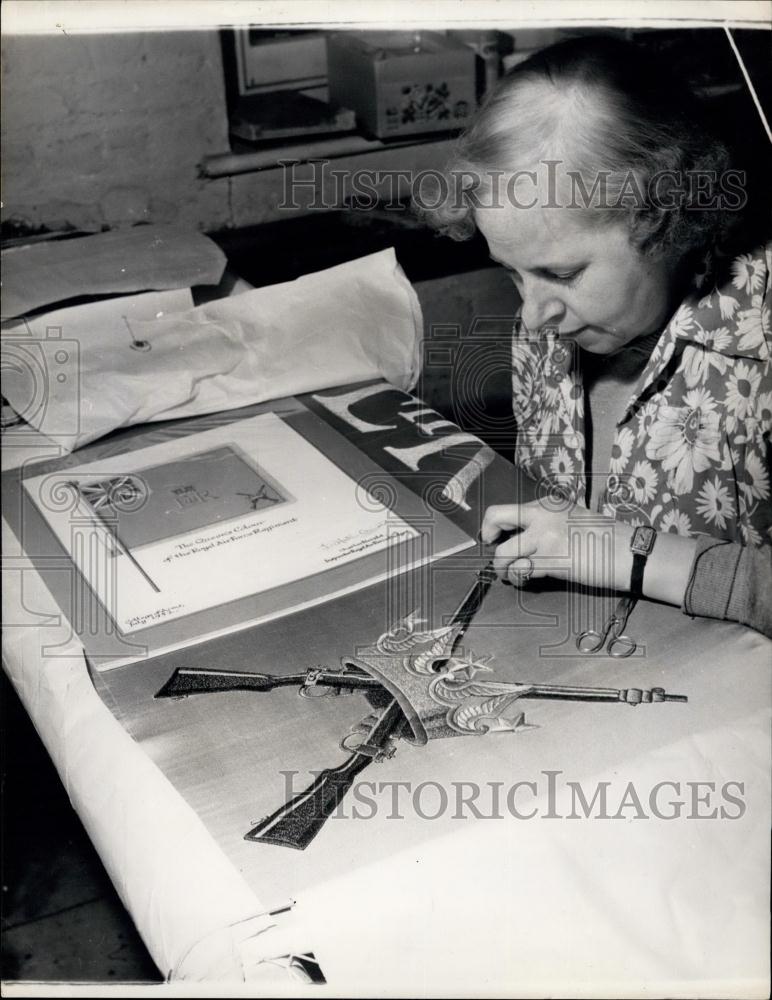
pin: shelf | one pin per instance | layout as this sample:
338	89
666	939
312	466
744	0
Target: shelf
334	147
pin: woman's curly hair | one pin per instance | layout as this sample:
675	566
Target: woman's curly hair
598	106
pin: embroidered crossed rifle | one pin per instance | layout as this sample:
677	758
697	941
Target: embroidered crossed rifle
418	689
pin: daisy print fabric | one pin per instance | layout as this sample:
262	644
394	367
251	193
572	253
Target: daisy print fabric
692	452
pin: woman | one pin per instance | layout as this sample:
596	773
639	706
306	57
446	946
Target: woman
642	380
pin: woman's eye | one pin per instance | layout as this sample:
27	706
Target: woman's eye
567	277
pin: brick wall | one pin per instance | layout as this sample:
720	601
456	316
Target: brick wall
108	129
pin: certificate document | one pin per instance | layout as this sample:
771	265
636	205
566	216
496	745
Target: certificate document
201	522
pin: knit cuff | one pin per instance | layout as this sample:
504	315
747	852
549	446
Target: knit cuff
717	581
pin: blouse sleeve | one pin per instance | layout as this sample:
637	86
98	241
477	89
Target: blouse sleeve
732	582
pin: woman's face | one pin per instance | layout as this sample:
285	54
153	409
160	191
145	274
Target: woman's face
589	284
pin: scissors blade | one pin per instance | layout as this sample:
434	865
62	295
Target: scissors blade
622	612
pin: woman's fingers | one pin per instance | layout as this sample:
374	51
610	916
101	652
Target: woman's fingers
522	570
512	558
519	547
504	517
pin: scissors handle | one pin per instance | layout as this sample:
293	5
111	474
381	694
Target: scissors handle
621	646
591	641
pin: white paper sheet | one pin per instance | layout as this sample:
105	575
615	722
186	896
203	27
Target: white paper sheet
146	570
54	363
357	321
122	260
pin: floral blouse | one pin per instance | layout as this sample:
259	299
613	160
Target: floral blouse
692	450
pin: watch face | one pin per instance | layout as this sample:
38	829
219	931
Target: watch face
643	540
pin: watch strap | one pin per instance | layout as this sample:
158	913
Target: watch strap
636	577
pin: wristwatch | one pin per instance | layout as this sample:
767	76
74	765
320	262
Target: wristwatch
641	545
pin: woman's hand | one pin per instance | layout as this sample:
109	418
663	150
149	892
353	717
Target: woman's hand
582	546
572	544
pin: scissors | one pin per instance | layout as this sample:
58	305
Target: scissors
618	644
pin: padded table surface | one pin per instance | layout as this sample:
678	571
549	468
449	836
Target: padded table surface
468	865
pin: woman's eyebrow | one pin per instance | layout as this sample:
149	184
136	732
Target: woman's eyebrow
547	269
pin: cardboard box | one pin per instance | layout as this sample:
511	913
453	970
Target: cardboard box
402	83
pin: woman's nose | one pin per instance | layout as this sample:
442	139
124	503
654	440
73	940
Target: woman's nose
541	308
